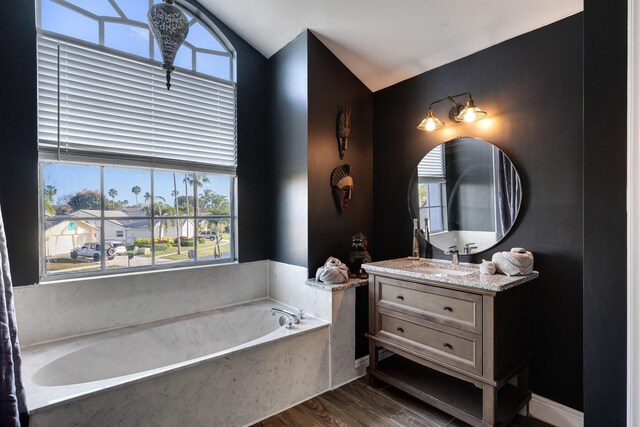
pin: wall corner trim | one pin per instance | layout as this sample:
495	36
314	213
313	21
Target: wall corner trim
633	216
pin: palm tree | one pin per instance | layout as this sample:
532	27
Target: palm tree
160	204
113	193
147	198
199	179
174	193
136	190
50	192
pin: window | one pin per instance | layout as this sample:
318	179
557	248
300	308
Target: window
124	161
432	190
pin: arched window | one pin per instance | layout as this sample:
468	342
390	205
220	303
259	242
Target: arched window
121	25
132	176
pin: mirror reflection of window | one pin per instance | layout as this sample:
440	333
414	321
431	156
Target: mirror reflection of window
470	192
432	190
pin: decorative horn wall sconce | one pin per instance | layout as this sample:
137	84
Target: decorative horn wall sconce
458	113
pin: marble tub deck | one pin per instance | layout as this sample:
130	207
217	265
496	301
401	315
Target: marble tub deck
42	398
418	269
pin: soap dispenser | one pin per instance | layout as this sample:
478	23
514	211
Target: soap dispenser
415	252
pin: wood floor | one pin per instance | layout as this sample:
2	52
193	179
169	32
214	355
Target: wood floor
357	404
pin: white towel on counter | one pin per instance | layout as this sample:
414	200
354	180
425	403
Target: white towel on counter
487	267
332	272
518	262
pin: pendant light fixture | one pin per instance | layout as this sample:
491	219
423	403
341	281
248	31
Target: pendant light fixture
470	113
169	27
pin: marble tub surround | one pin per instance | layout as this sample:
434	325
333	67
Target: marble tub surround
69	372
337	287
464	275
286	284
81	306
209	393
335	304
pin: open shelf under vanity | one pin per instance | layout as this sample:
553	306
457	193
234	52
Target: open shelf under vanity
459	398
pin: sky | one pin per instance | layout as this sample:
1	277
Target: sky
130	39
69	179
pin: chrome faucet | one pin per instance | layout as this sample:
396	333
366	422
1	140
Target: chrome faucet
468	247
291	318
453	251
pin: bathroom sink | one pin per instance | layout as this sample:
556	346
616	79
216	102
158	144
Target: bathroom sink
435	268
428	269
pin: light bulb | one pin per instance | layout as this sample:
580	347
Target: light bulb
470	115
431	125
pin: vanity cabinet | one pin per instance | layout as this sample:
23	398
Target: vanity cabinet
462	349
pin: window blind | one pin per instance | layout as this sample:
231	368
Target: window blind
118	107
432	165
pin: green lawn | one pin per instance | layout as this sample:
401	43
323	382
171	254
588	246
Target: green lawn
56	264
172	252
203	251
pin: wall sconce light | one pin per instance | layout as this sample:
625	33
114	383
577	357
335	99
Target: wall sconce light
169	26
469	113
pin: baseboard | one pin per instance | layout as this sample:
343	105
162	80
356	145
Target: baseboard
363	362
554	413
540	407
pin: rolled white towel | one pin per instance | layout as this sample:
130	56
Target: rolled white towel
518	262
487	267
332	272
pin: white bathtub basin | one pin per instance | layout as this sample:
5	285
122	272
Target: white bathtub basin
64	370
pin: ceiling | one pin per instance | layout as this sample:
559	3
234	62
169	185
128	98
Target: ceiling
382	41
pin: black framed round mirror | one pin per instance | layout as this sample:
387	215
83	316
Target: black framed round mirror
470	193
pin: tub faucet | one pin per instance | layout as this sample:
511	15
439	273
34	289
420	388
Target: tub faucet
453	251
290	317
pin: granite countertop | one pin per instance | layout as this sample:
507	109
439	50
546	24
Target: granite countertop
440	271
350	283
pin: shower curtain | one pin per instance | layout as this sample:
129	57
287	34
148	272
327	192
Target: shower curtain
13	408
507	188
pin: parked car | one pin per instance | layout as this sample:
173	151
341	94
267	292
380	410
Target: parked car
211	235
93	250
120	247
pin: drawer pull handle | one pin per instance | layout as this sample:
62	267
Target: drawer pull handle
447	308
399	329
447	345
400	297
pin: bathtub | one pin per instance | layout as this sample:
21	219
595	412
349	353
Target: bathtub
227	367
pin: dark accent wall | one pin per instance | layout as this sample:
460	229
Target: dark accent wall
308	84
287	157
331	85
531	86
18	140
18	136
605	231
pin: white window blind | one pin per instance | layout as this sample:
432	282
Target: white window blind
118	107
432	165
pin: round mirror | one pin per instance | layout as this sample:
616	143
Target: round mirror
470	193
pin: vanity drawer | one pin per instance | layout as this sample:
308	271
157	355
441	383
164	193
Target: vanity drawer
461	310
461	351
